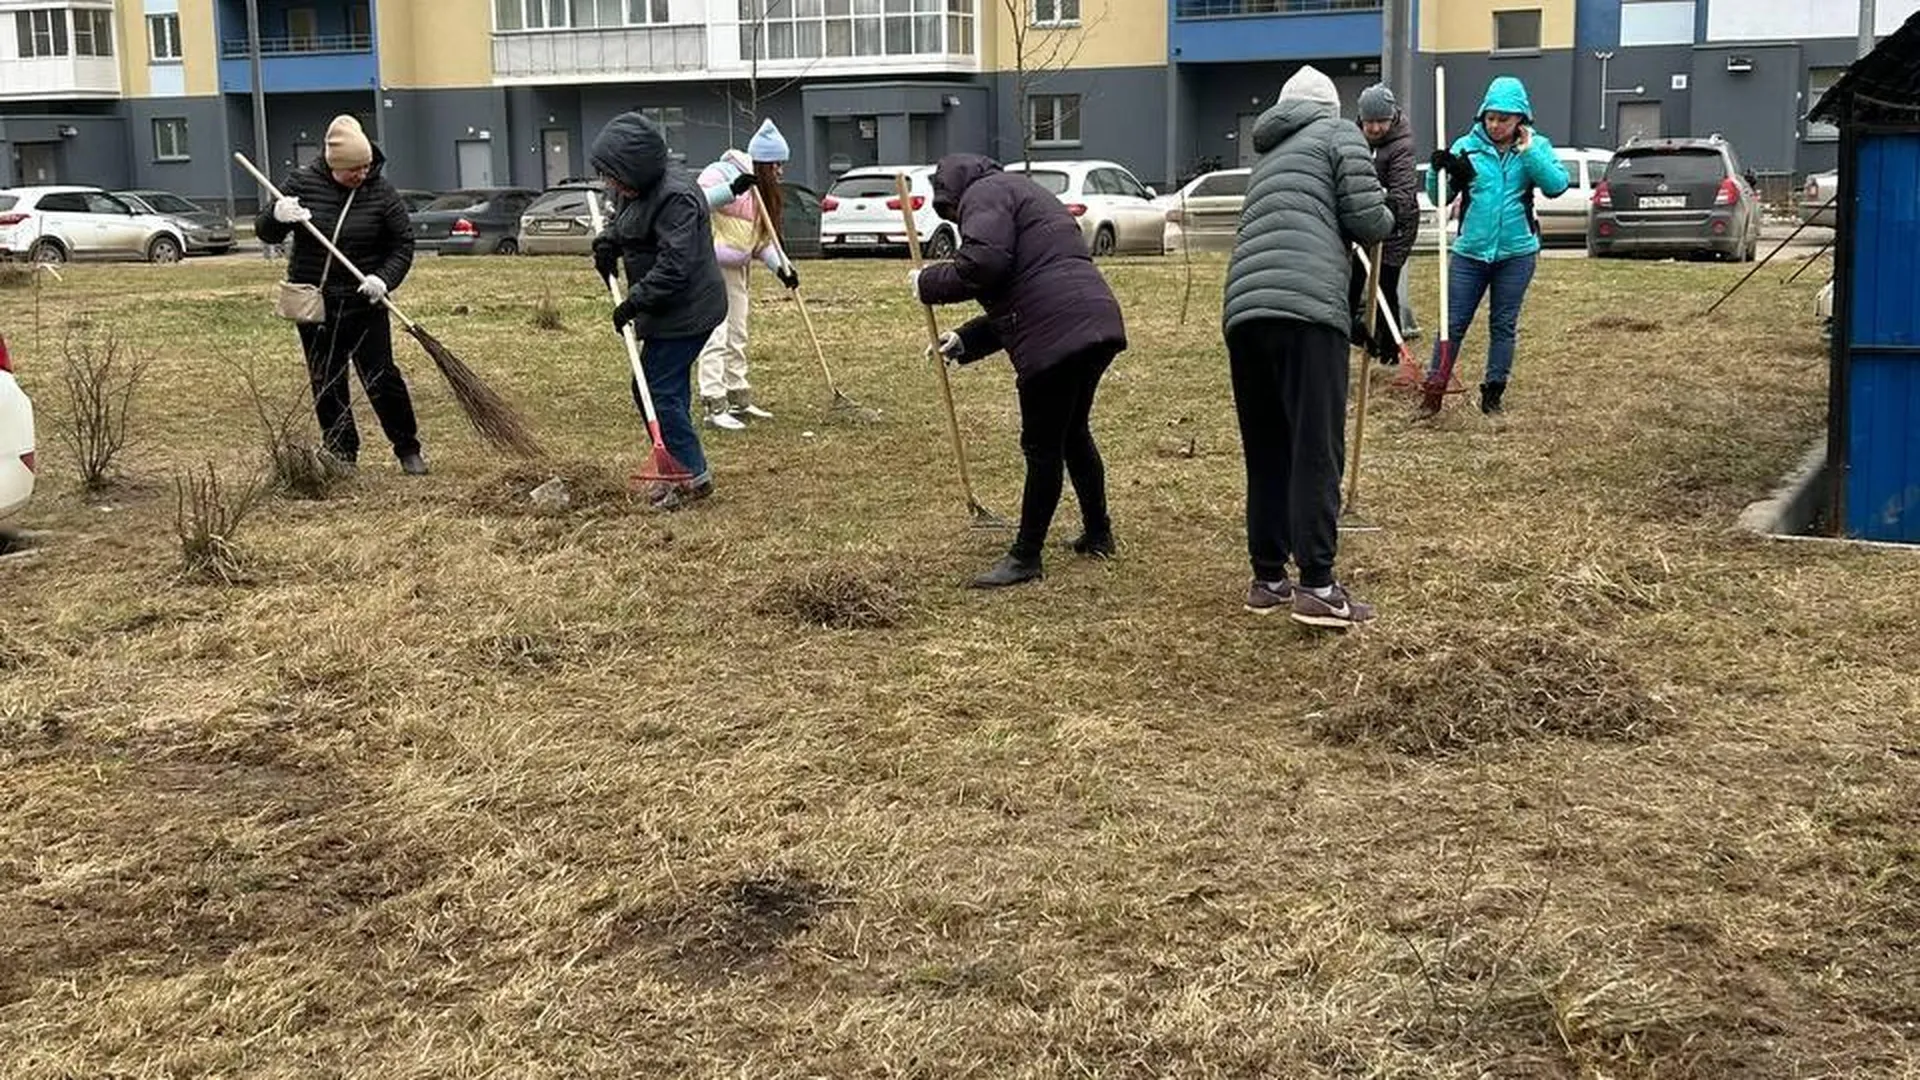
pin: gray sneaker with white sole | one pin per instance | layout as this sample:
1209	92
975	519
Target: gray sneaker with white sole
1337	611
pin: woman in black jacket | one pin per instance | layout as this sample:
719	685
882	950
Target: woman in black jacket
1390	137
347	196
1022	256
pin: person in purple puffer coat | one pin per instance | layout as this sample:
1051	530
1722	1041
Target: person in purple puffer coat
1023	257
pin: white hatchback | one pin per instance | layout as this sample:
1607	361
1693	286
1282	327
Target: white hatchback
16	440
1117	212
860	214
54	224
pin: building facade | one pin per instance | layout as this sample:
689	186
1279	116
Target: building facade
483	92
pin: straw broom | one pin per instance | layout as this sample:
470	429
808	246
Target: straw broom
496	420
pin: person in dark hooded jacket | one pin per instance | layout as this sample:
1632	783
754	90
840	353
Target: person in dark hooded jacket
1023	257
1391	137
676	295
345	194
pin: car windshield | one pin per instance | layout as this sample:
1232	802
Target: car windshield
166	202
566	203
1054	182
459	200
863	187
1668	166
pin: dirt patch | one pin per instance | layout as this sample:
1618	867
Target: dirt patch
836	598
1491	687
1624	324
588	487
726	928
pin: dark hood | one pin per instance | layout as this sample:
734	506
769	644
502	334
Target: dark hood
1286	117
632	150
953	175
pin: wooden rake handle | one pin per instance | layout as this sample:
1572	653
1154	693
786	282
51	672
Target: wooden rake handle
905	191
314	231
761	216
1372	308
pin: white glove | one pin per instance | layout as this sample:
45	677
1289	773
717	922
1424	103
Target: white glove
373	289
913	283
950	349
288	211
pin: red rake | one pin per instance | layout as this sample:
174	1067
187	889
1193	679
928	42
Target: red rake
661	466
1409	375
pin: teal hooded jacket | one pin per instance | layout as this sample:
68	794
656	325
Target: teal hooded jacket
1500	222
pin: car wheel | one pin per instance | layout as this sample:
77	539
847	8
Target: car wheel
163	249
47	251
508	246
1103	241
942	245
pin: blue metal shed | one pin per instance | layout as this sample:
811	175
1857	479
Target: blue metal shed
1873	433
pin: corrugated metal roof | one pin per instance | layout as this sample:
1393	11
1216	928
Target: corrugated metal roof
1882	86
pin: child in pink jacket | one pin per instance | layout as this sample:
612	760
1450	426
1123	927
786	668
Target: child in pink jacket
741	235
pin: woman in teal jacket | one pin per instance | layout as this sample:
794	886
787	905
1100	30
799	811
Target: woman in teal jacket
1495	168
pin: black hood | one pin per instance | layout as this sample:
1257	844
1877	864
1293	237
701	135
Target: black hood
632	150
953	175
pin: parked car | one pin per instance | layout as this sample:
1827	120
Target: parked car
54	224
1675	197
207	232
1204	215
1428	238
1563	218
1117	213
16	440
559	221
476	221
416	199
1817	199
860	214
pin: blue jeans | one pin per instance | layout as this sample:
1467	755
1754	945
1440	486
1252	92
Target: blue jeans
1468	280
668	363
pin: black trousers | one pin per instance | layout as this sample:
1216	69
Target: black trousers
360	334
1380	344
1290	391
1055	407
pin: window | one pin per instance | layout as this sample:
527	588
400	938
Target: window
41	33
672	120
1055	12
1221	184
1516	31
580	14
92	32
163	37
811	29
303	29
1818	81
101	203
1054	183
64	202
170	138
1054	119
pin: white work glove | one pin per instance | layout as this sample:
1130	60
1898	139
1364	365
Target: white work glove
913	283
288	211
950	350
373	289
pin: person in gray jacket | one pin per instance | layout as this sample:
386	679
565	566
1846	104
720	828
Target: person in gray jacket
1312	193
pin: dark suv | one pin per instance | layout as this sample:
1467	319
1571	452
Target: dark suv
1675	197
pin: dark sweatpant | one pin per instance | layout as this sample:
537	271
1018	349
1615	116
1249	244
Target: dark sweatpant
1381	347
1290	391
359	334
1054	434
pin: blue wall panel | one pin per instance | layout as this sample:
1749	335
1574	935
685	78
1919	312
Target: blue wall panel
297	74
1275	37
1883	343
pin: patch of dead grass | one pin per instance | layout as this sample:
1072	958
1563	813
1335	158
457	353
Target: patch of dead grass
836	598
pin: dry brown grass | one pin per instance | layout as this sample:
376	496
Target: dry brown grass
458	784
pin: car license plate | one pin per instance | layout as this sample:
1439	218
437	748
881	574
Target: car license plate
1663	202
862	238
555	226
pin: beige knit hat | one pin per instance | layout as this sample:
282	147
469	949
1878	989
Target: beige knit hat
347	145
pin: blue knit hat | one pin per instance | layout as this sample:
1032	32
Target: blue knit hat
768	144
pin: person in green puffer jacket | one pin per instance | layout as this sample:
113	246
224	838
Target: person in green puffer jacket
1495	168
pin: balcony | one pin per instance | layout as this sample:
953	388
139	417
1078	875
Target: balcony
46	78
1227	31
304	63
590	55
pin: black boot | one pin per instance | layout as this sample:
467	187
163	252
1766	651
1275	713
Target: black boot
1490	397
1094	545
1010	570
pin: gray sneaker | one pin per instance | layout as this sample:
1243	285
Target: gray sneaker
1337	612
1262	600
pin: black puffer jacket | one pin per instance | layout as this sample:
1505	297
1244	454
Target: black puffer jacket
662	233
377	235
1023	258
1393	165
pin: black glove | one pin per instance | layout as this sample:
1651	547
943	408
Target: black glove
628	311
1458	169
606	256
788	276
741	183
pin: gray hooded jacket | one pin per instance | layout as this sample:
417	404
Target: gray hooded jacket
662	233
1312	192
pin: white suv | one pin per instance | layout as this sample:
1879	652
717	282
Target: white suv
1117	212
54	224
16	440
861	213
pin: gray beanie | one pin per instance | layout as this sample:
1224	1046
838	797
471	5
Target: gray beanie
1376	103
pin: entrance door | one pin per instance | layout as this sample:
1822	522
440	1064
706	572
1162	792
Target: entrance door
475	159
1639	120
556	154
38	164
1248	155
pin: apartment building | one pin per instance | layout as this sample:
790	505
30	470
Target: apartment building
475	92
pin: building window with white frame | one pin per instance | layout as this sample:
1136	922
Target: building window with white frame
163	38
170	138
1818	81
846	29
1516	31
92	32
42	32
577	14
1054	119
1055	13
